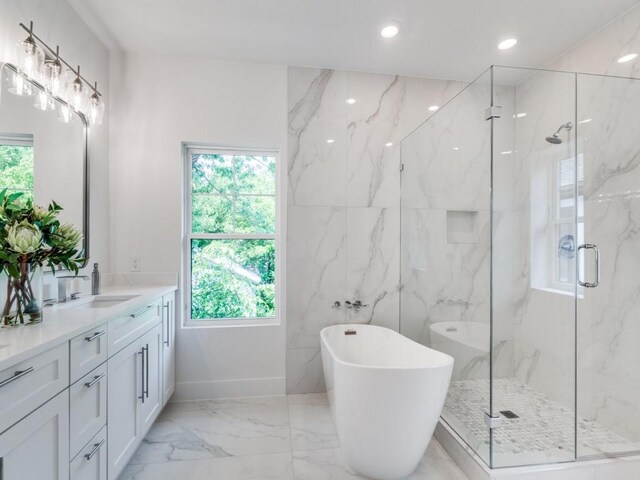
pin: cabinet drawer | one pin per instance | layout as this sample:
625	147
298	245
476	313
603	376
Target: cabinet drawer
27	385
91	462
88	412
87	351
124	330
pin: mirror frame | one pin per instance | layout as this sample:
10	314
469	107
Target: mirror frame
85	163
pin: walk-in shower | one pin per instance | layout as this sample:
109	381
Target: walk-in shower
505	231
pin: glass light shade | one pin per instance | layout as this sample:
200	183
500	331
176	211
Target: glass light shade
29	58
65	113
76	95
96	109
52	77
43	101
18	85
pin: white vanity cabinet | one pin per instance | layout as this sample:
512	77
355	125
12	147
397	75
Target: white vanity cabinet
79	409
168	346
37	447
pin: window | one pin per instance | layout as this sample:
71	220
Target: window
16	164
564	243
232	241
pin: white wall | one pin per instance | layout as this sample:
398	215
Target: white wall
58	24
159	102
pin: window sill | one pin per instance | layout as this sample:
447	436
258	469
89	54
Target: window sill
557	291
232	323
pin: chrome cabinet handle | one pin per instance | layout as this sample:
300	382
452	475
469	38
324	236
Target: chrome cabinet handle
140	312
166	342
95	380
141	353
591	246
94	336
95	449
18	374
146	386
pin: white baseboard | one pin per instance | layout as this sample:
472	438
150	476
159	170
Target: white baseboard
246	387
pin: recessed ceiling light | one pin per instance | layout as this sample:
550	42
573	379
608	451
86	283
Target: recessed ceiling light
331	140
456	148
506	152
507	43
586	120
433	108
627	58
388	144
351	101
389	31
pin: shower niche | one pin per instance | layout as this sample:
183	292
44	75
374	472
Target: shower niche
534	290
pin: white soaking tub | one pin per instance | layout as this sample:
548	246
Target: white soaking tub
386	393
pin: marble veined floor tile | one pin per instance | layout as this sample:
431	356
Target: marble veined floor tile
226	403
225	432
276	466
329	465
312	425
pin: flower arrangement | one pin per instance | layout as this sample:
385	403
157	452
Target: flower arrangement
31	237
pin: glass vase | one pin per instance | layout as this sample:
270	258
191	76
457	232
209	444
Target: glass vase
21	297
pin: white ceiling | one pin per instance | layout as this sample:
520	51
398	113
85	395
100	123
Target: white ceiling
453	39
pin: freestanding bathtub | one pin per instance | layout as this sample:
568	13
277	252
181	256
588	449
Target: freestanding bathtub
386	393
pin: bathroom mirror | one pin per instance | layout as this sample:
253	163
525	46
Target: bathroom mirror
43	149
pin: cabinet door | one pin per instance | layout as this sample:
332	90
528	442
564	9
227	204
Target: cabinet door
37	447
124	389
168	347
152	381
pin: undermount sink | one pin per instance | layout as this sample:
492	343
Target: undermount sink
106	301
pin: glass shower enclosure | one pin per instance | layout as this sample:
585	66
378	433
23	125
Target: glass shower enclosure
520	252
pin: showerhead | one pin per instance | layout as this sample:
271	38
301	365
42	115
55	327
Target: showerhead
555	138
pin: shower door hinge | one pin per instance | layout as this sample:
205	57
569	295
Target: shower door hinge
494	111
402	167
492	422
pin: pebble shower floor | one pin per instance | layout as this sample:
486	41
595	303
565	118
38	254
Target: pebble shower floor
543	432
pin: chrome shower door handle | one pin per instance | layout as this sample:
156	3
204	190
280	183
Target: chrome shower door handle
590	246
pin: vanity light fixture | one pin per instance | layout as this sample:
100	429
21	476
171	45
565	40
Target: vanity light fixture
627	58
389	31
521	115
351	101
388	144
456	148
506	152
433	108
507	43
330	140
47	70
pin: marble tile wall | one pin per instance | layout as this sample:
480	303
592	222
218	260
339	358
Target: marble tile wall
343	202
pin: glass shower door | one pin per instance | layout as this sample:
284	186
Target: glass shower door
535	206
608	325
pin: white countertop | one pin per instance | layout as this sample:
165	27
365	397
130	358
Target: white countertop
63	322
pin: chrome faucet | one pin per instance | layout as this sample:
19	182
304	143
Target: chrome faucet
62	287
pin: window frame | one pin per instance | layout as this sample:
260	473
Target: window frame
557	222
188	236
